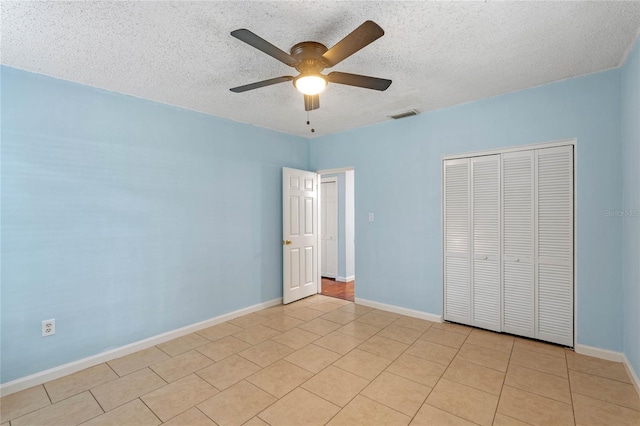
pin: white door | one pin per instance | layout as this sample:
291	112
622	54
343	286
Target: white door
329	228
300	234
554	245
457	292
485	246
518	238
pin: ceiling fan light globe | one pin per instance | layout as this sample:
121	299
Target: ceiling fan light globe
310	84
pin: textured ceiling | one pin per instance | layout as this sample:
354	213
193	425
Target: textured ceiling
438	54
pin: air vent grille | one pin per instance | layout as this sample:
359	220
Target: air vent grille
405	114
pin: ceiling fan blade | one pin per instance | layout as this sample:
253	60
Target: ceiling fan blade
359	38
311	102
263	45
359	80
262	83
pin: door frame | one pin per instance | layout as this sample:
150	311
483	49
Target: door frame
327	180
552	144
328	172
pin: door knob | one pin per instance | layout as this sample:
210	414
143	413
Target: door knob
286	242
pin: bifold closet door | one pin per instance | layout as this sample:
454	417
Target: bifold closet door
457	252
485	242
554	245
518	232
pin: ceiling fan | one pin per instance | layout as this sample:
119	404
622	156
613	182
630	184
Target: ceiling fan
309	58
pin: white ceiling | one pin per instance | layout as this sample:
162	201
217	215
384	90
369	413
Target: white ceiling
438	54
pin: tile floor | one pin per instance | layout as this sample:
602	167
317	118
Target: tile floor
328	361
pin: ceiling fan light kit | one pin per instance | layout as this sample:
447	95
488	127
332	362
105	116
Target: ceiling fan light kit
309	58
310	84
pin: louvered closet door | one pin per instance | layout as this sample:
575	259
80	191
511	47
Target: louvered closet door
518	239
485	231
456	241
554	246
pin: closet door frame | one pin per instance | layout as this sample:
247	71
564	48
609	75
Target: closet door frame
563	142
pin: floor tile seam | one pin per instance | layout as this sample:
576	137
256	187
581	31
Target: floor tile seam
473	387
51	404
137	397
47	393
406	378
540	353
321	397
504	381
538	371
83	390
573	408
520	348
448	412
599	376
541	396
355	374
182	377
153	412
442	375
511	417
541	371
34	410
206	381
603	400
99	405
535	393
382	403
78	393
228	356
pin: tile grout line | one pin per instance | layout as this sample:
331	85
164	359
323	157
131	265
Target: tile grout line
149	408
504	381
442	375
573	409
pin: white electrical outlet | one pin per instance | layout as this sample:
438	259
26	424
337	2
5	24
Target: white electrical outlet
370	217
49	327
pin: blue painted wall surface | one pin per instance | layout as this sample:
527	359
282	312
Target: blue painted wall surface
342	256
398	163
124	218
631	205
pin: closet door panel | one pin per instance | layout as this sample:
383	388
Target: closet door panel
457	300
518	243
485	224
554	211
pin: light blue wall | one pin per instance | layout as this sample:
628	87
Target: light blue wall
631	205
124	218
342	256
398	163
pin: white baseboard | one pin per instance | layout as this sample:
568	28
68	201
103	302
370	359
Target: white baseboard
399	310
346	279
81	364
599	353
611	356
632	373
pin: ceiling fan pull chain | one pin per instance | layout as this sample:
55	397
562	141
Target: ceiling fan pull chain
309	122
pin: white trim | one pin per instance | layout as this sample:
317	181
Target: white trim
563	142
631	372
338	170
399	310
346	279
599	353
81	364
332	179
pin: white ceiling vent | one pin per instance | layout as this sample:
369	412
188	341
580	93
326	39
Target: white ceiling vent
405	114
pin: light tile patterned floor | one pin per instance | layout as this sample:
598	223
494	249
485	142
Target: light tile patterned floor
329	361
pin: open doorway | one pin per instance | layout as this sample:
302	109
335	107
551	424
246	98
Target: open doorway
337	233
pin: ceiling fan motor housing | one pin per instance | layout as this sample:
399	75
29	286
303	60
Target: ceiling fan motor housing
309	56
